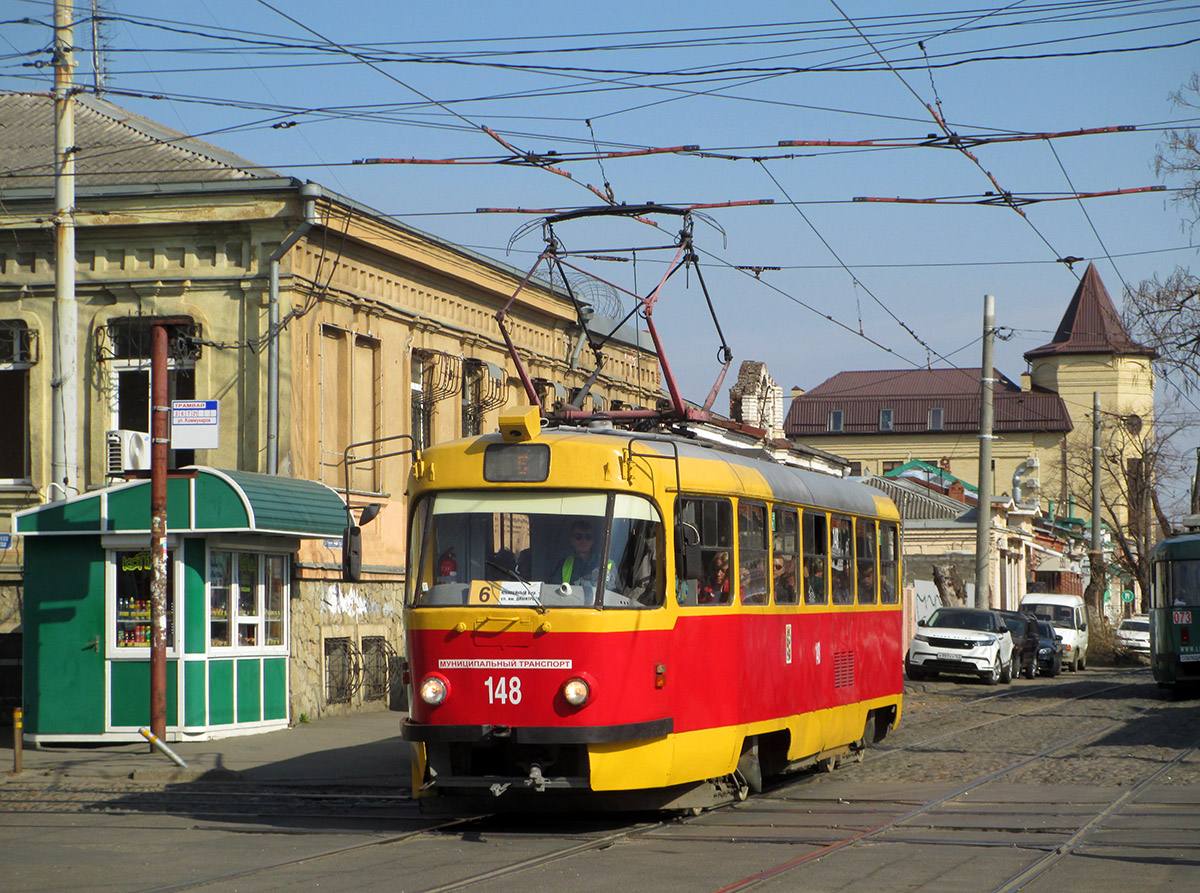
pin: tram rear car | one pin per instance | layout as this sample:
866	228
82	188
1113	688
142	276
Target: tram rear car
1175	608
652	680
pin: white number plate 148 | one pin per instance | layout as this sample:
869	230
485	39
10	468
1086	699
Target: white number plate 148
504	689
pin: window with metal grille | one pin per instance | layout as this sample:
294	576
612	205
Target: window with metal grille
376	655
341	670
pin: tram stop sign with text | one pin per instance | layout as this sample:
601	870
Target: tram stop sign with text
195	424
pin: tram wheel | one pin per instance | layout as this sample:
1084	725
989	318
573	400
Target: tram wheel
826	765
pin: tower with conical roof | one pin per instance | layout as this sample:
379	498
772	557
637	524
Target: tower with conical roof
1092	351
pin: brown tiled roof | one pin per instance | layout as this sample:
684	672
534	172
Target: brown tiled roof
115	147
1091	325
911	394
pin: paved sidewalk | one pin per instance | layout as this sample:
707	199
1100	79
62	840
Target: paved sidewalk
359	749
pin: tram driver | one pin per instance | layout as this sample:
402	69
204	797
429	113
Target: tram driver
581	564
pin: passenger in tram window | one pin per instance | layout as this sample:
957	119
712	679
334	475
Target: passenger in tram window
866	583
580	565
715	590
887	595
785	579
815	593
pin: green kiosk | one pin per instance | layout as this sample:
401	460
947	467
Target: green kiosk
231	538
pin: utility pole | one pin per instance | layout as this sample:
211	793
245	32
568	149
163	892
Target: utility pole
64	422
159	429
983	528
1095	554
1195	505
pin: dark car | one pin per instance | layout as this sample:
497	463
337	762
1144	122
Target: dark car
1050	649
1025	641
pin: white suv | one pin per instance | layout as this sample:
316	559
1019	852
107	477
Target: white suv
961	640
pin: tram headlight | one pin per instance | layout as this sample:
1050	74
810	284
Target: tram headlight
434	690
576	692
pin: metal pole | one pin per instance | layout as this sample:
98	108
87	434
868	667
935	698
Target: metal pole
309	192
158	532
18	733
1095	554
983	527
64	427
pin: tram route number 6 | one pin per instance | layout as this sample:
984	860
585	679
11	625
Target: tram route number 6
504	690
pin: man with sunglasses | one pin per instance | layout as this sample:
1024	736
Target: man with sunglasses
580	565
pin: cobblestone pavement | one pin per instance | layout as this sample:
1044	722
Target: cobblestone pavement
957	729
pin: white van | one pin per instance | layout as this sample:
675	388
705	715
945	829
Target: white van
1068	615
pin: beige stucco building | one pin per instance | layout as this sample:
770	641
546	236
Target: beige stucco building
382	331
882	419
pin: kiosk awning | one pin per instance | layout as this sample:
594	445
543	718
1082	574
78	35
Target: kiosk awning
211	500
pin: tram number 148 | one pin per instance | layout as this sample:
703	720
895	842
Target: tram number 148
504	691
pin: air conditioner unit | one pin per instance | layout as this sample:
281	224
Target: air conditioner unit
127	451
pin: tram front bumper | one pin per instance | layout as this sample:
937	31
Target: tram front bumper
481	734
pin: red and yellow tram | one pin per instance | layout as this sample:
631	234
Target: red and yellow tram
640	619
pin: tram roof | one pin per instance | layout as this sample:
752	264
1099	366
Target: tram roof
202	500
1180	546
784	482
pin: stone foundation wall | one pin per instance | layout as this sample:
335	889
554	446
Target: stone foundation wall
10	607
325	609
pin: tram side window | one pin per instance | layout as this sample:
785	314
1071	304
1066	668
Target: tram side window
889	564
841	560
710	523
864	559
752	552
785	557
816	559
1183	583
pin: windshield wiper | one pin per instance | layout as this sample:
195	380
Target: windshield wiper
530	587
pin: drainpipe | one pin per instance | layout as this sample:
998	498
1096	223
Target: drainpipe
310	192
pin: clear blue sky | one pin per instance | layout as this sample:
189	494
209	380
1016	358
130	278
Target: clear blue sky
643	75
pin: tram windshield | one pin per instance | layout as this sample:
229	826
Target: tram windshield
1182	584
540	550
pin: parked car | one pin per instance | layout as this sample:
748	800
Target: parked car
1023	628
1050	649
961	640
1068	615
1133	635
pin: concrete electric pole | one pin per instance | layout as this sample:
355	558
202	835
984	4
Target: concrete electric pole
983	528
64	423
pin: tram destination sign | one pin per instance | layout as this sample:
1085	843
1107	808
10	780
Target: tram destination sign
195	424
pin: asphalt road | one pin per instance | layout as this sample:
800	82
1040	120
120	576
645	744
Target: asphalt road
1087	781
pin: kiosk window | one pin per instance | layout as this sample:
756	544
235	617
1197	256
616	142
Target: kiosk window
247	599
133	599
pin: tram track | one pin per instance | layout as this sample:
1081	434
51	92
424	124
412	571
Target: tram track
829	826
1056	842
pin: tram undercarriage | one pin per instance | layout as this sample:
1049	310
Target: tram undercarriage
502	774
